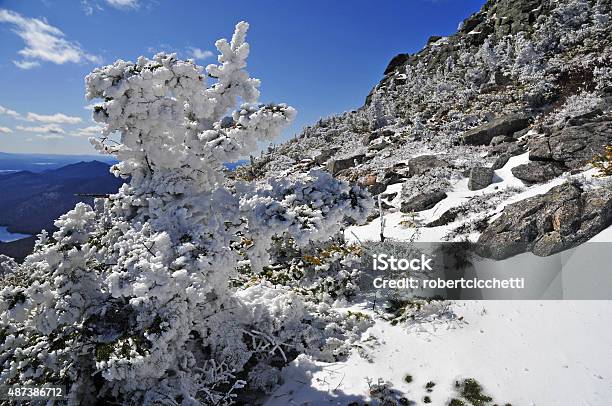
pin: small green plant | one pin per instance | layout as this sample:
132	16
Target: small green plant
429	386
358	315
603	162
407	310
456	402
409	220
426	399
408	378
471	390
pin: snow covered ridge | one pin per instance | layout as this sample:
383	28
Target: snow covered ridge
139	300
524	78
488	133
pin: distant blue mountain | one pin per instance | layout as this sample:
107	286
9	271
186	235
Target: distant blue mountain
37	163
32	201
43	162
36	189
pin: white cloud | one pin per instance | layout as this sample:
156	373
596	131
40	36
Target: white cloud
197	53
5	130
51	137
43	42
123	4
90	131
9	112
45	129
87	8
26	64
57	118
91	6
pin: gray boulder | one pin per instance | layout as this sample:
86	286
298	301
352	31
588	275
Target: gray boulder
563	218
336	165
448	216
507	125
324	155
377	188
573	146
538	171
470	23
501	161
393	177
507	148
397	61
499	139
539	149
379	146
585	117
424	163
374	135
422	201
480	177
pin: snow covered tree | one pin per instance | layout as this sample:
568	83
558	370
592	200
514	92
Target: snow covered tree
129	301
7	265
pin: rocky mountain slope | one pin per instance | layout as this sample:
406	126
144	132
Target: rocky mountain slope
11	162
519	77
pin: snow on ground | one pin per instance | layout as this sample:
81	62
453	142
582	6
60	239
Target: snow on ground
533	353
396	226
527	353
604	236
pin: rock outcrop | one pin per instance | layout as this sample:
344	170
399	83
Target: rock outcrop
562	218
480	177
336	165
422	201
424	163
518	76
502	126
573	146
566	148
538	172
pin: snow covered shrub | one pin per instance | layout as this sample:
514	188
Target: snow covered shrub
321	272
414	312
130	301
7	265
384	394
576	105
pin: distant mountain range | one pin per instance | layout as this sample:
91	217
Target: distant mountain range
38	188
32	201
43	162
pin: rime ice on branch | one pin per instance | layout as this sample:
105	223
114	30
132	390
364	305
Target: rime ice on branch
175	134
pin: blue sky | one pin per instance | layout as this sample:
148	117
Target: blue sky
320	56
